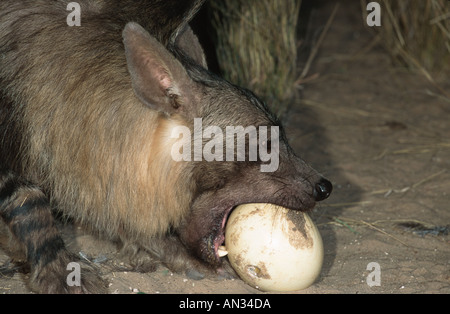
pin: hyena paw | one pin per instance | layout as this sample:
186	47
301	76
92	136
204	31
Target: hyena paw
65	277
139	259
198	270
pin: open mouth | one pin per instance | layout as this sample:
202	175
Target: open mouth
219	239
205	228
217	245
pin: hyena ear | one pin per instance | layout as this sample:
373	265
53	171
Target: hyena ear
158	79
189	43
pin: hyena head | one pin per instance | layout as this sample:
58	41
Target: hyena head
235	149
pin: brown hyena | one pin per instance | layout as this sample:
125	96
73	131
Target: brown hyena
86	127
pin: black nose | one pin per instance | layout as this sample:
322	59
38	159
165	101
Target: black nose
322	190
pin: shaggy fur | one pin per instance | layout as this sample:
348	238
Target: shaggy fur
86	115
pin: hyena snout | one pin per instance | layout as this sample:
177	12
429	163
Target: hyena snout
322	190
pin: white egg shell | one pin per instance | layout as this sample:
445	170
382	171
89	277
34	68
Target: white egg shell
273	248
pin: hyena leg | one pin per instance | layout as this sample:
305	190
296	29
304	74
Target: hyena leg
170	252
26	211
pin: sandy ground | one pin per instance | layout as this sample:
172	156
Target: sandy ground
381	135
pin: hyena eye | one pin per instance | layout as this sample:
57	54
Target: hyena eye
173	98
174	101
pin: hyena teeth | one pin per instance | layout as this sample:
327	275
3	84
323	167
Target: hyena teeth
222	251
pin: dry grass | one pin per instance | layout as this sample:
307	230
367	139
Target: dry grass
257	47
417	34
